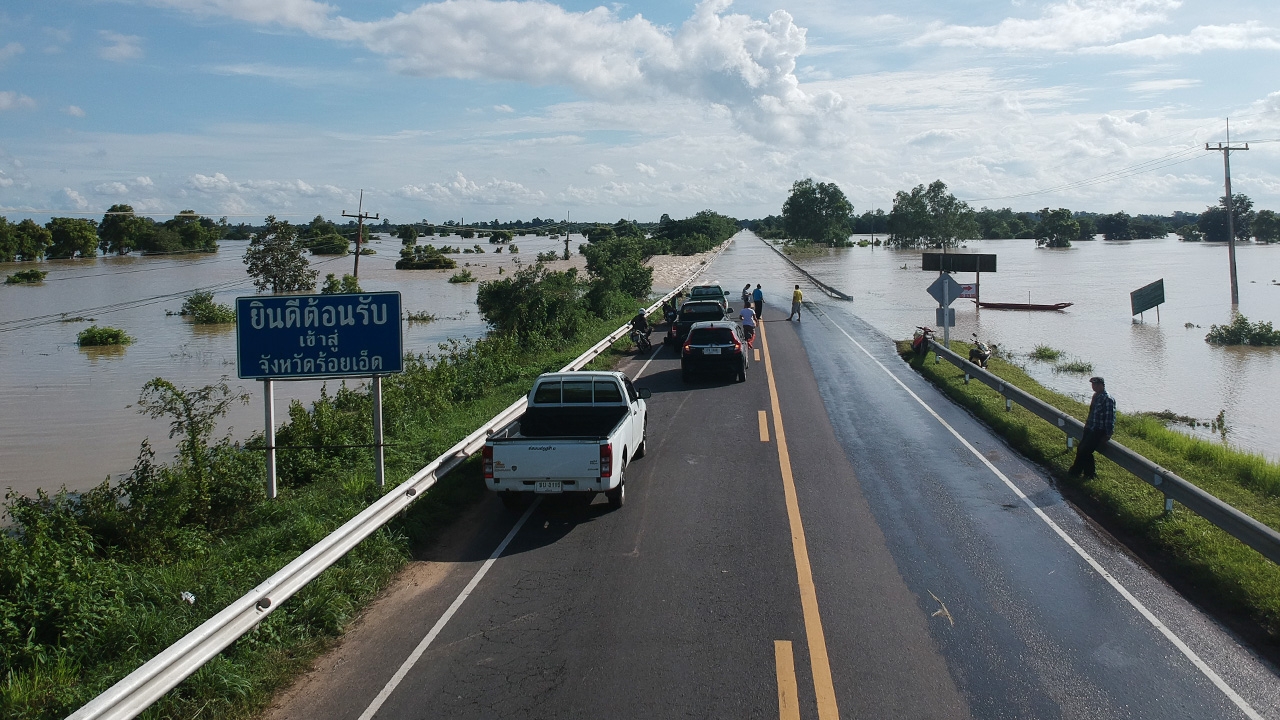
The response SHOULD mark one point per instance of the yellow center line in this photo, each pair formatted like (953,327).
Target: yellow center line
(788,695)
(764,426)
(823,687)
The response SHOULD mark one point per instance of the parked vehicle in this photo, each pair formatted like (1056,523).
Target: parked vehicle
(716,346)
(692,312)
(710,292)
(579,434)
(920,341)
(979,353)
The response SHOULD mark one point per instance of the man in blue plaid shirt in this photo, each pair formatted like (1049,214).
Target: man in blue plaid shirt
(1098,428)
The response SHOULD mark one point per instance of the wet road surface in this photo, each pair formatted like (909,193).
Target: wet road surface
(831,538)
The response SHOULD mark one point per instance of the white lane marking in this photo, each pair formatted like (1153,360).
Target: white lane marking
(444,619)
(1190,654)
(644,367)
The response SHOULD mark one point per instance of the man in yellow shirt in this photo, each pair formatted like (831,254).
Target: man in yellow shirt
(796,298)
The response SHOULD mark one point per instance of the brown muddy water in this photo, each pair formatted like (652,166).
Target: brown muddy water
(68,415)
(1148,364)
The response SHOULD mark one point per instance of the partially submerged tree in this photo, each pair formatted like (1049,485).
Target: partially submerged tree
(930,216)
(71,237)
(1057,228)
(817,213)
(277,261)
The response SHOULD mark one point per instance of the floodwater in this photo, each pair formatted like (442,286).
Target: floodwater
(1149,364)
(70,417)
(69,414)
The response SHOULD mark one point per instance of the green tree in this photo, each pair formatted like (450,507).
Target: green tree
(1266,226)
(817,212)
(71,237)
(332,285)
(1087,227)
(276,260)
(31,240)
(8,240)
(194,232)
(194,416)
(120,231)
(408,234)
(1190,233)
(1117,226)
(534,302)
(930,216)
(1213,221)
(1057,228)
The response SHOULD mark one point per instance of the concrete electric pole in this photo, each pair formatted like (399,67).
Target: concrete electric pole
(360,213)
(1226,149)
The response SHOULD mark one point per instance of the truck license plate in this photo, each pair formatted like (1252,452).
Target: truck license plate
(710,351)
(547,486)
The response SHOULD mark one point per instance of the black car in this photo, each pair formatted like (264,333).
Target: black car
(716,346)
(692,312)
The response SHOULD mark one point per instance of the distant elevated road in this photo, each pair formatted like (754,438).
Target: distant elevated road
(831,538)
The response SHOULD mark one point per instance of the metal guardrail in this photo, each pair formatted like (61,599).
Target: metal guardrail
(1247,530)
(138,690)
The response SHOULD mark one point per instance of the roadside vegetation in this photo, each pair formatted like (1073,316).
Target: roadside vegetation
(94,583)
(1242,332)
(94,336)
(1204,562)
(26,277)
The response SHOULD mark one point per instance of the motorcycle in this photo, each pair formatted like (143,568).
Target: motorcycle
(641,340)
(980,352)
(669,312)
(920,340)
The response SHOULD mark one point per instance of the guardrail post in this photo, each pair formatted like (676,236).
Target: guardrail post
(966,378)
(1071,442)
(1157,481)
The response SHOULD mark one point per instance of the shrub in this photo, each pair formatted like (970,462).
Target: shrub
(533,302)
(463,276)
(548,256)
(1044,352)
(202,310)
(1242,332)
(1075,366)
(333,286)
(96,336)
(25,277)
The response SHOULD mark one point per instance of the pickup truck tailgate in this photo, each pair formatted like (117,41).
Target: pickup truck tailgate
(556,459)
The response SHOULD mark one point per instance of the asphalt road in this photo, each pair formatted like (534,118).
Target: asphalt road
(830,539)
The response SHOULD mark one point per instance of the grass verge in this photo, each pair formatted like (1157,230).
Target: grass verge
(1231,580)
(92,584)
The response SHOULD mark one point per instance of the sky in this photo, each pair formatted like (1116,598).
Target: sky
(473,110)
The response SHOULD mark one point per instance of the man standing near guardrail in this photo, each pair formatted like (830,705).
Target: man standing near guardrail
(1098,428)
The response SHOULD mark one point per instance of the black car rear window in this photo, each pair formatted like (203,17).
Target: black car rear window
(711,336)
(547,392)
(607,391)
(577,391)
(711,312)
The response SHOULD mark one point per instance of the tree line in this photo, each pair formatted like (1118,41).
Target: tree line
(930,216)
(120,232)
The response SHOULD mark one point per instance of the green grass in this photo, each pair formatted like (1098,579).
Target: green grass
(1078,367)
(94,336)
(1204,562)
(91,583)
(1044,352)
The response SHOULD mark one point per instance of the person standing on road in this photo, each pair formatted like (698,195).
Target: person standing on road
(796,298)
(1098,428)
(746,295)
(748,317)
(758,297)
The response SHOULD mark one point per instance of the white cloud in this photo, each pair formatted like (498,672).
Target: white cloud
(504,108)
(111,188)
(1152,87)
(121,47)
(143,181)
(648,170)
(75,199)
(1242,36)
(743,64)
(10,100)
(74,111)
(1061,26)
(461,191)
(935,137)
(5,181)
(12,49)
(600,169)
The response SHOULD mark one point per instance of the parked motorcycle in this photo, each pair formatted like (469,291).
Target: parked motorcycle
(641,340)
(920,340)
(980,352)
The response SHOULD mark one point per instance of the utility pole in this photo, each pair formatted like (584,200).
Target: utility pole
(360,213)
(1226,149)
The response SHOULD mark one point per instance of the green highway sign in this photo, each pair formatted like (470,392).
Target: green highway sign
(1145,298)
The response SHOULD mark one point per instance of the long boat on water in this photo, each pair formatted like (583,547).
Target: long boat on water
(1023,306)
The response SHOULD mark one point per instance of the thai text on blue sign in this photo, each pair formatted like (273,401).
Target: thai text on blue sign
(314,336)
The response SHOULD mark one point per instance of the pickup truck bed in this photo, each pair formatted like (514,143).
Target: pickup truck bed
(595,423)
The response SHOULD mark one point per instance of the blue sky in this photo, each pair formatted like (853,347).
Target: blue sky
(471,109)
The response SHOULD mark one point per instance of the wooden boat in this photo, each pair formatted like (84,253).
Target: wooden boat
(1023,306)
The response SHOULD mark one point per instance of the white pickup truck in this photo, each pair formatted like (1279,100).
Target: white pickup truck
(578,434)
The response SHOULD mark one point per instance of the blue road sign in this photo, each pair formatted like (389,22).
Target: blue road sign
(316,336)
